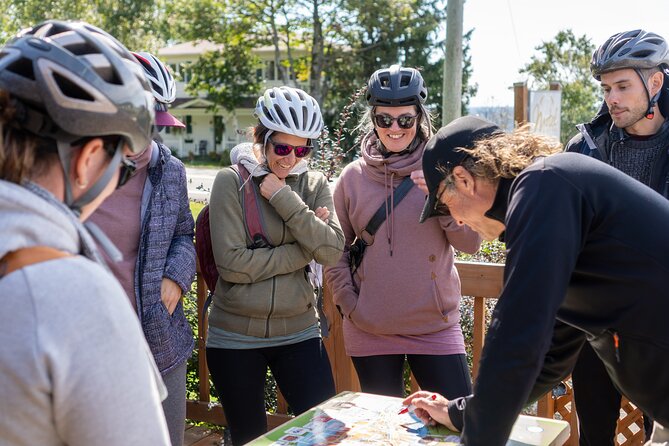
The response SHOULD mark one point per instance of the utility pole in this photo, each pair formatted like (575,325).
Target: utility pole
(452,89)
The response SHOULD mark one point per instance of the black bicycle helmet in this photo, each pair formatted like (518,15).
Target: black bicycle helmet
(636,49)
(75,80)
(396,86)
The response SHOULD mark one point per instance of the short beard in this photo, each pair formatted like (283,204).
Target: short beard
(633,116)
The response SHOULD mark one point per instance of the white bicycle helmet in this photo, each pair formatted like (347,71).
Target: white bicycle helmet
(162,82)
(290,110)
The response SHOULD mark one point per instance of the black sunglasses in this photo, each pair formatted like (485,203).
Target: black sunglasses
(386,121)
(127,166)
(283,149)
(127,169)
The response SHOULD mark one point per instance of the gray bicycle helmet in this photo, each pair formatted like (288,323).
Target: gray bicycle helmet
(75,80)
(636,49)
(396,86)
(290,110)
(71,80)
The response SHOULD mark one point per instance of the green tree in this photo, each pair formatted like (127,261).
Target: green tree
(227,76)
(133,22)
(566,59)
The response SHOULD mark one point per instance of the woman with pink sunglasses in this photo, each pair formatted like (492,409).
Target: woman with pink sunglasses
(401,303)
(264,309)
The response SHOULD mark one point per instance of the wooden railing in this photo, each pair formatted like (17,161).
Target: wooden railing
(480,280)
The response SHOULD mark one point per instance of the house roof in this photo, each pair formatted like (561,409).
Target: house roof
(191,102)
(190,48)
(197,47)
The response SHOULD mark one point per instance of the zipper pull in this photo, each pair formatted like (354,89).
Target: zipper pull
(616,344)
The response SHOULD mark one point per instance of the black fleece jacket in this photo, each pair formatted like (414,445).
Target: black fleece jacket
(588,259)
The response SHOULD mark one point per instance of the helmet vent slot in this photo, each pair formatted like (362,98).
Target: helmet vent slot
(281,116)
(305,115)
(22,67)
(70,89)
(157,88)
(293,114)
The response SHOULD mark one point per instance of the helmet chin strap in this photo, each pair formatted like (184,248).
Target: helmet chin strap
(65,155)
(650,113)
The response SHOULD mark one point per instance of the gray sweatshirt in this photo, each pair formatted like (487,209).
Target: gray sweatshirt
(74,366)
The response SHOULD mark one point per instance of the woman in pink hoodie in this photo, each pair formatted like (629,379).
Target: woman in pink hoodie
(402,302)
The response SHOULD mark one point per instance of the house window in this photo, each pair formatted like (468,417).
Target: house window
(184,73)
(270,71)
(189,124)
(219,129)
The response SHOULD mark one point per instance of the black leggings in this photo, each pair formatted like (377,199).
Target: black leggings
(444,374)
(302,372)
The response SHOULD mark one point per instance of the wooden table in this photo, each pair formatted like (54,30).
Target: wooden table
(355,418)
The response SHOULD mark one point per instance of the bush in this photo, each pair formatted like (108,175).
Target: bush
(225,158)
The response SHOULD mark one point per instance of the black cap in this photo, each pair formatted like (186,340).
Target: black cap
(443,150)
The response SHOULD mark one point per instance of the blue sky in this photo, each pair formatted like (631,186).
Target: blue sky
(507,31)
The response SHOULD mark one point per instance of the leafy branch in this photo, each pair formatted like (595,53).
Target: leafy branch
(331,154)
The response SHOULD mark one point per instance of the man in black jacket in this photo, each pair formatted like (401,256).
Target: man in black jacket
(587,261)
(631,133)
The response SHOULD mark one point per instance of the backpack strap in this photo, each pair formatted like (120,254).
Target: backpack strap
(253,219)
(23,257)
(380,214)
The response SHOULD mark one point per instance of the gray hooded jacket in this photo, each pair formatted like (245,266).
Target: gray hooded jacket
(74,366)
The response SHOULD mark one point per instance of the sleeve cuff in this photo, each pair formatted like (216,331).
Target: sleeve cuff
(275,193)
(456,412)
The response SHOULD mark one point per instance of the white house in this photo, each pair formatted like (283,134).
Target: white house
(205,130)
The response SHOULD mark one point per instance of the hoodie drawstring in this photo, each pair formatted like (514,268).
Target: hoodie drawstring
(390,216)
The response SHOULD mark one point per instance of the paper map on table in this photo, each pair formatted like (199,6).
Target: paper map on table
(352,418)
(357,419)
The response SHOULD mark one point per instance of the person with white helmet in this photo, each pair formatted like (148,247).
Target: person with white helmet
(631,133)
(150,222)
(401,304)
(74,366)
(263,311)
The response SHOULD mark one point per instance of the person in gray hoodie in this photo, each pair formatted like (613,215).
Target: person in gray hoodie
(73,104)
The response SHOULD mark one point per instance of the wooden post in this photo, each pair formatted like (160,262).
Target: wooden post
(202,369)
(451,93)
(478,334)
(520,102)
(343,371)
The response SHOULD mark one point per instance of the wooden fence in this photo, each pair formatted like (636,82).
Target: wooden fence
(480,280)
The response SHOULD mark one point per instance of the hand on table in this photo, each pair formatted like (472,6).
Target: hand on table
(419,180)
(430,407)
(170,294)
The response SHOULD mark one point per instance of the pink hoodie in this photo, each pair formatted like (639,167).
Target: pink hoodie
(407,301)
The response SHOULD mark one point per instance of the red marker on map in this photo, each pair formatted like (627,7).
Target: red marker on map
(411,407)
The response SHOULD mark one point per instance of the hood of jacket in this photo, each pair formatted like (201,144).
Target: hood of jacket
(31,216)
(378,166)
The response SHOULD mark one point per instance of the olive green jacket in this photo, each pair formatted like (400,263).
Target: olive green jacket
(265,292)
